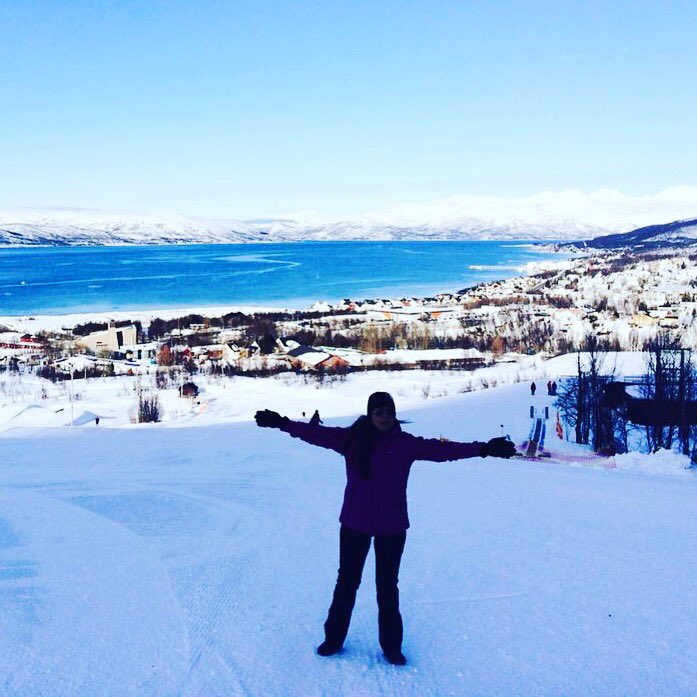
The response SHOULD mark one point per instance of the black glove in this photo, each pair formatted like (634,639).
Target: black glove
(498,447)
(269,419)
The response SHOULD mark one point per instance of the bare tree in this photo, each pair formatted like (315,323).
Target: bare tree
(582,401)
(671,376)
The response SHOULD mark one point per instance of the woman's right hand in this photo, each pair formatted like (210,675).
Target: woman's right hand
(269,419)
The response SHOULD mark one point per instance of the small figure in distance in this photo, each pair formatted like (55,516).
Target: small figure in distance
(533,387)
(378,456)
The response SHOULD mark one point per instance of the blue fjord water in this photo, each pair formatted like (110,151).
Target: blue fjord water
(56,280)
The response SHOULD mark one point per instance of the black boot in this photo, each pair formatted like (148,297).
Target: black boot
(396,658)
(326,648)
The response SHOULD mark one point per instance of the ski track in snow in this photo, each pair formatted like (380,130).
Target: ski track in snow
(86,580)
(201,561)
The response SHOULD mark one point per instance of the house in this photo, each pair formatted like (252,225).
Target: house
(308,358)
(320,306)
(410,313)
(669,322)
(183,353)
(208,354)
(23,343)
(349,356)
(73,364)
(334,362)
(347,304)
(25,349)
(641,319)
(189,389)
(140,352)
(305,357)
(233,353)
(470,358)
(110,340)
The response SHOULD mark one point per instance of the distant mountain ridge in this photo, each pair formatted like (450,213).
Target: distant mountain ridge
(68,228)
(80,227)
(75,228)
(675,234)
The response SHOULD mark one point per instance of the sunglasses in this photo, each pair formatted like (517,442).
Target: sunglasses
(383,412)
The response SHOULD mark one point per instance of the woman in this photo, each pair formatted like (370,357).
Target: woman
(378,458)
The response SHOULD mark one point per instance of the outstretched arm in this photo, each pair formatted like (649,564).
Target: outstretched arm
(332,438)
(437,450)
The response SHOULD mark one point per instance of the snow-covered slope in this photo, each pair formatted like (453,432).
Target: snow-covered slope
(201,560)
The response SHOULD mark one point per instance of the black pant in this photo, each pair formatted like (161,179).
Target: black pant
(353,549)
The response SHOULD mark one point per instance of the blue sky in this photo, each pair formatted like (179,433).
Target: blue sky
(243,109)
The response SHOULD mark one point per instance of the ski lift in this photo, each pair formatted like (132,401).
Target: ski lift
(650,412)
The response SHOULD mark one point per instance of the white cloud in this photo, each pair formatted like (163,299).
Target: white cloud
(605,208)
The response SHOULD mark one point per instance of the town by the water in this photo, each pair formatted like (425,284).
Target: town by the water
(624,299)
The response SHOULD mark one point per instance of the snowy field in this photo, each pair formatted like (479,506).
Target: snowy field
(198,556)
(28,401)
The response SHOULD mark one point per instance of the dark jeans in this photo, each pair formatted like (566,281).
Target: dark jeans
(353,550)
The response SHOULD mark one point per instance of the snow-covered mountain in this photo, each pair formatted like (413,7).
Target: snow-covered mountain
(677,233)
(564,215)
(67,228)
(464,229)
(81,227)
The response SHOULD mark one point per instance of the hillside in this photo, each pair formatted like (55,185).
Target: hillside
(676,234)
(201,559)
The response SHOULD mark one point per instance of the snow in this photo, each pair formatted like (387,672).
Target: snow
(84,226)
(606,209)
(35,323)
(224,400)
(551,215)
(621,363)
(412,355)
(661,462)
(198,556)
(87,603)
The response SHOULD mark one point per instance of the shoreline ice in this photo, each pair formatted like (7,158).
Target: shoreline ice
(39,322)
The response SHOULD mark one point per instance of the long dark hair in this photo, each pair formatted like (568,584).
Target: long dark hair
(359,445)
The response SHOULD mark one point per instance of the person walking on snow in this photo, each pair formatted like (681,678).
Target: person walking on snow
(378,456)
(315,420)
(533,387)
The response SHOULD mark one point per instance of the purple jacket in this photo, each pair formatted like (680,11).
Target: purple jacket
(378,506)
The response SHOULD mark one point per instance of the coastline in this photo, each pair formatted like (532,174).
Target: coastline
(39,322)
(49,319)
(505,241)
(36,322)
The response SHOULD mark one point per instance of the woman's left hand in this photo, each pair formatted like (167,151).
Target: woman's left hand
(499,447)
